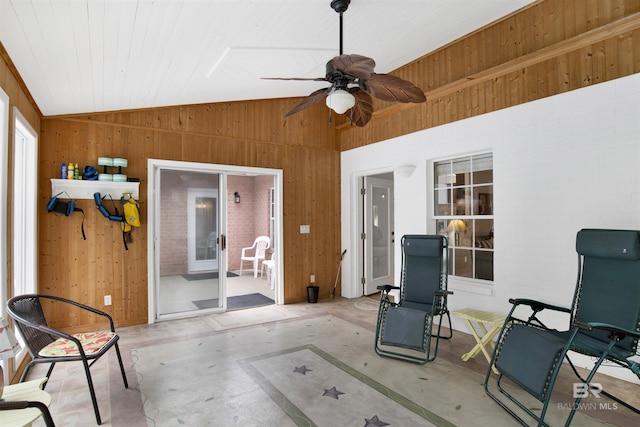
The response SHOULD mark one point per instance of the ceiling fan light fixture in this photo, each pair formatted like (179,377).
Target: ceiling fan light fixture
(340,101)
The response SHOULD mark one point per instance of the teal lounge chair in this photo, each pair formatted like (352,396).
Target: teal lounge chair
(603,323)
(405,329)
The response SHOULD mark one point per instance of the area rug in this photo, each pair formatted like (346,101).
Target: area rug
(260,376)
(314,388)
(206,276)
(236,302)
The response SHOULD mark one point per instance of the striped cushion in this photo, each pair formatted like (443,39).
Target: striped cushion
(92,342)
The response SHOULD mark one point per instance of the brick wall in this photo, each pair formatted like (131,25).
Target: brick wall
(249,218)
(174,187)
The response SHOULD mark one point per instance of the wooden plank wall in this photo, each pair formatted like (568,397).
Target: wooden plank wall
(241,133)
(552,47)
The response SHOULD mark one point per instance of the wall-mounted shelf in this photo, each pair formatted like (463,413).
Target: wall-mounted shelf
(80,189)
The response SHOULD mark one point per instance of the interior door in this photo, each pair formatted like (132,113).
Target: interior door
(379,234)
(202,227)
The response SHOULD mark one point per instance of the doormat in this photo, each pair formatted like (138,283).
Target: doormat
(206,276)
(236,302)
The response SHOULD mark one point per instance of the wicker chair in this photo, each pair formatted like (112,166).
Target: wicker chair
(47,345)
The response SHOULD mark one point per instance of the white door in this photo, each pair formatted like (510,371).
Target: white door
(378,233)
(202,207)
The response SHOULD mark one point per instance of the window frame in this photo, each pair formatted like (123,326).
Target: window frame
(437,222)
(25,230)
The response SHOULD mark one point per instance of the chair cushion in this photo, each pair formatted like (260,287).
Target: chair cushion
(528,356)
(92,342)
(405,327)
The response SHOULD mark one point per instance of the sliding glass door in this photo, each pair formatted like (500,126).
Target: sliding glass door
(188,242)
(200,218)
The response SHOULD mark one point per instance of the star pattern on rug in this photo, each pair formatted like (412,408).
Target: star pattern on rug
(302,369)
(374,422)
(332,392)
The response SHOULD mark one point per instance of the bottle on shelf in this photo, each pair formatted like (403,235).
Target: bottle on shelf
(63,171)
(76,172)
(70,172)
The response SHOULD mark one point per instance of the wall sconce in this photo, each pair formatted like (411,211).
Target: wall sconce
(236,195)
(405,171)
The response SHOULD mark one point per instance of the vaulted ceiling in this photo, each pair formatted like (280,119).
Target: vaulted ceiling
(79,56)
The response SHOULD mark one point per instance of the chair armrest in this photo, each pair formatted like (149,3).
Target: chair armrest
(442,293)
(617,330)
(55,333)
(387,288)
(244,250)
(384,294)
(538,305)
(24,404)
(81,306)
(8,406)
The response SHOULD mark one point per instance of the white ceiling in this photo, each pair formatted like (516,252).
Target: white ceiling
(79,56)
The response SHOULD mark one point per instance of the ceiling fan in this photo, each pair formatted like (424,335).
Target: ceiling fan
(353,83)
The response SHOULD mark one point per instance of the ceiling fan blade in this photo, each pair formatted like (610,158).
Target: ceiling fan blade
(357,66)
(309,101)
(312,79)
(391,88)
(361,113)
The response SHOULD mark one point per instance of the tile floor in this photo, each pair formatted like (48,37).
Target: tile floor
(263,329)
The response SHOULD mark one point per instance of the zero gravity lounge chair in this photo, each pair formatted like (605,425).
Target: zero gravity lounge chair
(604,321)
(405,329)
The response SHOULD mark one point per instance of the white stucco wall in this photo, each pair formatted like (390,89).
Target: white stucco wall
(561,164)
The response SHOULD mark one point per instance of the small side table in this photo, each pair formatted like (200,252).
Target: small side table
(489,324)
(27,391)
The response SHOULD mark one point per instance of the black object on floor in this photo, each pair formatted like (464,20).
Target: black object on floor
(312,293)
(206,276)
(236,302)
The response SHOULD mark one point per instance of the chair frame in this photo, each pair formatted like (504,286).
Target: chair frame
(37,334)
(438,308)
(269,270)
(575,337)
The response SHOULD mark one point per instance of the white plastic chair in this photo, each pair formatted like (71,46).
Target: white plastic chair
(260,245)
(269,266)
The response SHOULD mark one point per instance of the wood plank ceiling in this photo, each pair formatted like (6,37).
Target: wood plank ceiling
(103,55)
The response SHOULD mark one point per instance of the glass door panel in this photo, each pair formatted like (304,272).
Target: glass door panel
(203,230)
(379,232)
(189,212)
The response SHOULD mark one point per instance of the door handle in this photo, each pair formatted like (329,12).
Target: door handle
(223,242)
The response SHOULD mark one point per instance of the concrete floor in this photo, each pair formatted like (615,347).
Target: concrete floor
(170,381)
(177,294)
